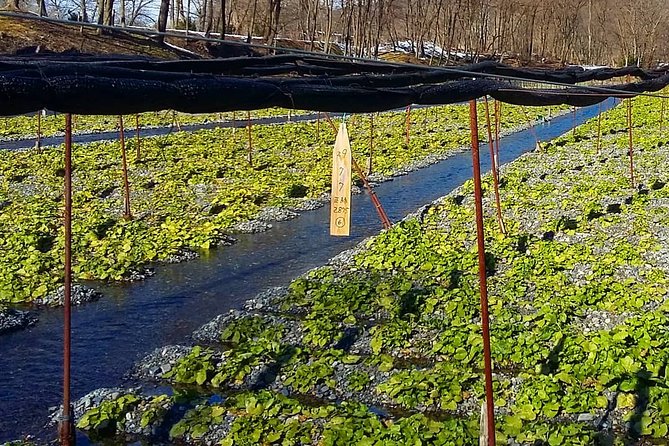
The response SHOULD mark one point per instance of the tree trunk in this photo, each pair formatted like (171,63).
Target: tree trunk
(42,8)
(109,13)
(223,19)
(122,12)
(162,18)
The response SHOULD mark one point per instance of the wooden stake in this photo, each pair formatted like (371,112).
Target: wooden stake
(340,204)
(124,165)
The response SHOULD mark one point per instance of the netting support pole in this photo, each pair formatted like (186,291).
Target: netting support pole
(664,103)
(66,421)
(480,239)
(371,144)
(537,144)
(385,221)
(139,141)
(407,126)
(333,126)
(250,136)
(38,143)
(493,164)
(599,129)
(124,165)
(498,125)
(630,152)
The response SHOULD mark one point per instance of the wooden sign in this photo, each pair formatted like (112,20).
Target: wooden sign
(340,205)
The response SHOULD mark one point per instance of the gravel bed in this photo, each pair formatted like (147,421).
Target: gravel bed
(160,361)
(80,294)
(12,320)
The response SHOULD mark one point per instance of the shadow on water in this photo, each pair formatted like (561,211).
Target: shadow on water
(133,319)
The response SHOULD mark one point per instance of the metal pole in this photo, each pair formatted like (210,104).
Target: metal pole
(318,125)
(532,130)
(573,121)
(371,144)
(332,124)
(599,129)
(480,238)
(137,129)
(493,163)
(498,124)
(385,221)
(662,114)
(631,142)
(66,422)
(38,143)
(124,164)
(407,126)
(248,130)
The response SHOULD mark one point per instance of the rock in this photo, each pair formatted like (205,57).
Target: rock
(269,214)
(159,362)
(11,320)
(80,294)
(251,227)
(585,417)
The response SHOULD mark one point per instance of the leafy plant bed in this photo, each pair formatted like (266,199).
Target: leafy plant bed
(579,318)
(26,126)
(188,191)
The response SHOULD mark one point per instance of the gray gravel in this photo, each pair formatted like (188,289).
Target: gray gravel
(11,320)
(80,294)
(159,362)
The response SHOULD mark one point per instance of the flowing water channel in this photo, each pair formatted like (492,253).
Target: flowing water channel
(108,336)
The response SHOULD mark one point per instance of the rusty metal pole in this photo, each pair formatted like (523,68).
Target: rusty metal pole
(332,124)
(662,114)
(124,165)
(139,141)
(371,144)
(38,143)
(537,145)
(66,422)
(385,221)
(599,129)
(250,136)
(493,163)
(631,141)
(480,238)
(498,125)
(407,126)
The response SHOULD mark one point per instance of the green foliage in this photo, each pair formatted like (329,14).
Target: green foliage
(109,415)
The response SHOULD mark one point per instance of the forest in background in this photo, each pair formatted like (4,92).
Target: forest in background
(593,32)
